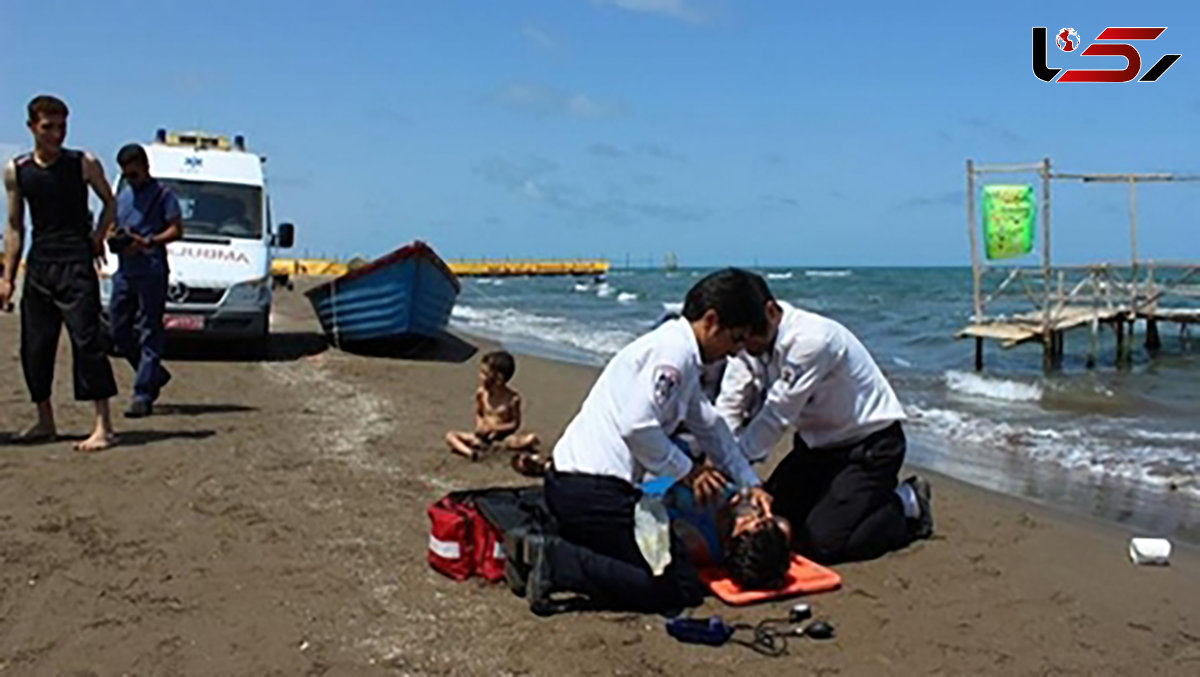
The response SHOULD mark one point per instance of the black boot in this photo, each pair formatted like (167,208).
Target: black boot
(139,409)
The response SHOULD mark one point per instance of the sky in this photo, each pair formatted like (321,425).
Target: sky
(725,131)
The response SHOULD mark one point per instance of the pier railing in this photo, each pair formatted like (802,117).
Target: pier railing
(1011,293)
(1021,304)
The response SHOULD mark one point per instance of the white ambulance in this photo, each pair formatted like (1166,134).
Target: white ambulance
(220,281)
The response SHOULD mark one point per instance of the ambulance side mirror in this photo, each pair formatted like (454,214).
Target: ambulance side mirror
(286,236)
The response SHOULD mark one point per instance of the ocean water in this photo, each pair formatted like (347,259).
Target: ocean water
(1119,444)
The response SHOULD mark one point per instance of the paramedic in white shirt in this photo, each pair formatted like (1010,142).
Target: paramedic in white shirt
(621,434)
(838,486)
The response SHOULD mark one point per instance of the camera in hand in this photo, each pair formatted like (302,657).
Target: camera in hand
(120,240)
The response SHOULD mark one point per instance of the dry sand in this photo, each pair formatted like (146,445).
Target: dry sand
(271,521)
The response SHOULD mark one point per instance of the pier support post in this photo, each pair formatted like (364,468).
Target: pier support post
(1131,328)
(978,353)
(1048,351)
(1119,330)
(1119,334)
(1153,343)
(1055,349)
(1093,343)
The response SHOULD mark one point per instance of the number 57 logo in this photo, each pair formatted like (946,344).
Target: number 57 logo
(1067,41)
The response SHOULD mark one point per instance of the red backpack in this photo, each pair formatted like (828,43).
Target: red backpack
(461,542)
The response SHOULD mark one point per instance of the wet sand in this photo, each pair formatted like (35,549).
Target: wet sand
(271,521)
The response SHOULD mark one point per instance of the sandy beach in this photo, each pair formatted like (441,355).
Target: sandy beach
(271,521)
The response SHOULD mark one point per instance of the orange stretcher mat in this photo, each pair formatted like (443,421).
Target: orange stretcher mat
(803,577)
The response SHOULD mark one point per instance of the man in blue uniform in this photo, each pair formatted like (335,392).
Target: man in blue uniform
(148,218)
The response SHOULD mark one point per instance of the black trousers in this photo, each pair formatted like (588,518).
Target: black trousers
(56,293)
(597,554)
(842,501)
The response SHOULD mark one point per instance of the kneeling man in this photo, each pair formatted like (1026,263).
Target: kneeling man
(838,485)
(620,434)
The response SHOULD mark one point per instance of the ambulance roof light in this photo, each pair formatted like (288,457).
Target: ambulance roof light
(198,140)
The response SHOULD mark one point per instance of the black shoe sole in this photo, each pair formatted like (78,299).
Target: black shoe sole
(514,579)
(538,585)
(516,570)
(923,527)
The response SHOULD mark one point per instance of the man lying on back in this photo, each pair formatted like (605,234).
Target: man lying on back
(752,545)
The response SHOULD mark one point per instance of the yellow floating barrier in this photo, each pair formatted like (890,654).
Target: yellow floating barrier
(523,267)
(461,268)
(309,267)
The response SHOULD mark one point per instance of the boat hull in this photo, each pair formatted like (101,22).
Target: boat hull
(409,292)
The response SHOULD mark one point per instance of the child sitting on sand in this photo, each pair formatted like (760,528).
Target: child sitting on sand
(497,417)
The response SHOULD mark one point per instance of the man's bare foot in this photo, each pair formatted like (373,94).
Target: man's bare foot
(99,441)
(40,432)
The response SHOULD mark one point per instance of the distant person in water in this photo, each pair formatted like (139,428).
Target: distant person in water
(497,416)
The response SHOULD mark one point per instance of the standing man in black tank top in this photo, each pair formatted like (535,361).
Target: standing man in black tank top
(61,285)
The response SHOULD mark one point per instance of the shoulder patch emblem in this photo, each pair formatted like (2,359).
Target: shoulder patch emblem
(666,382)
(790,373)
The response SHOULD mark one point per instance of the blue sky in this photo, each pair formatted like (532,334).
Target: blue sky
(725,131)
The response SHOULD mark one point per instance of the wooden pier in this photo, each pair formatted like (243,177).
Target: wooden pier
(1028,326)
(1015,304)
(1032,326)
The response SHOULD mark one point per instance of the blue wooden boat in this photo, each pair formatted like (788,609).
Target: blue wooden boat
(409,292)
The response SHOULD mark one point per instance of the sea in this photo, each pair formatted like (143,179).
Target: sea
(1116,443)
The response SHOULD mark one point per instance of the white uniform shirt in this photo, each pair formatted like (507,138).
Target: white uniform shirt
(646,390)
(818,378)
(743,387)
